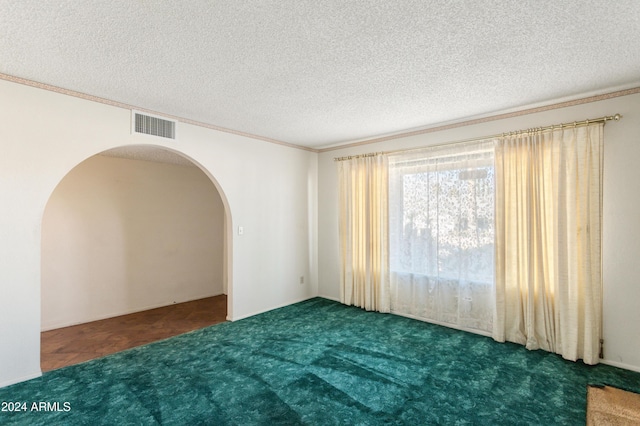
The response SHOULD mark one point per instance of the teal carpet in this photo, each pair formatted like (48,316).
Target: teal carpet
(317,362)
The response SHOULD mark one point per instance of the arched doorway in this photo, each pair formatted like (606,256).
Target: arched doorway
(127,230)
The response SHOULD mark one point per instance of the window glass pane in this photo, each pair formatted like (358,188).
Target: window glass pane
(441,223)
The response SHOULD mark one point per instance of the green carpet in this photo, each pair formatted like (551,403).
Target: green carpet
(317,362)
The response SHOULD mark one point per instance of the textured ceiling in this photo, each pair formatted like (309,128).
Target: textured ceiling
(321,73)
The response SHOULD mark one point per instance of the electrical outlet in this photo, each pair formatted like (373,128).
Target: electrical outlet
(301,279)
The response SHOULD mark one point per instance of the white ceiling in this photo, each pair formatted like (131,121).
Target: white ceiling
(322,73)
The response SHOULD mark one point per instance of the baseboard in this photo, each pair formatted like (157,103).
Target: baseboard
(443,324)
(125,312)
(620,365)
(238,318)
(335,299)
(20,379)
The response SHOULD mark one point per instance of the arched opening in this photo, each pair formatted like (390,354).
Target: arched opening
(129,230)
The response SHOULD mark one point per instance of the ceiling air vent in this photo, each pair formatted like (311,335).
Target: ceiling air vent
(155,126)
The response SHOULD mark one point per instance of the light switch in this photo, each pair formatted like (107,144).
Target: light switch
(240,230)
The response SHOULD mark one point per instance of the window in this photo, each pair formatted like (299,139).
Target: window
(441,235)
(497,237)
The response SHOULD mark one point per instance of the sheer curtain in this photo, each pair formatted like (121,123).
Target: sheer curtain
(548,265)
(364,278)
(441,230)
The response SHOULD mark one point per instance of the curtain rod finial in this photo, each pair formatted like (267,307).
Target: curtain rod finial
(617,117)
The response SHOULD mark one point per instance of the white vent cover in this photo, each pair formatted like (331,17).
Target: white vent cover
(151,125)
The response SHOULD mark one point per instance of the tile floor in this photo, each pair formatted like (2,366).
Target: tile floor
(83,342)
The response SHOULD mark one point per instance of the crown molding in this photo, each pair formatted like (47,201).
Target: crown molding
(487,119)
(438,128)
(80,95)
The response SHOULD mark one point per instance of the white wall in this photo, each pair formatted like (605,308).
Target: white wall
(122,235)
(621,221)
(268,189)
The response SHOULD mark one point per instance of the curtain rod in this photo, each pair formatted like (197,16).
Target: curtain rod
(604,119)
